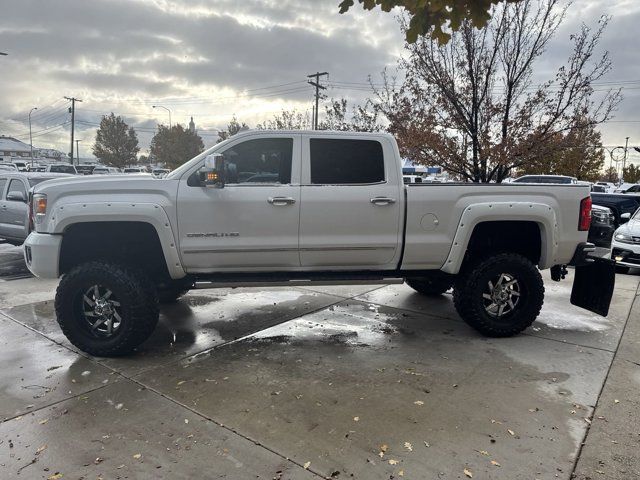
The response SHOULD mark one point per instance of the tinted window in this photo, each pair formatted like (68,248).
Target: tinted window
(17,186)
(338,161)
(62,169)
(263,160)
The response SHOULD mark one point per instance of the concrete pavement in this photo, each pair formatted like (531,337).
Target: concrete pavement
(329,382)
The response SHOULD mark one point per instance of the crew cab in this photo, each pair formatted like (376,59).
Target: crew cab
(296,208)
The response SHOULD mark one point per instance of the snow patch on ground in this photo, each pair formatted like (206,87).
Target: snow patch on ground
(574,320)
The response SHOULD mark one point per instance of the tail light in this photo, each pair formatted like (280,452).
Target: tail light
(584,221)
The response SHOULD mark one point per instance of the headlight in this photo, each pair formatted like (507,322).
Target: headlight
(623,237)
(39,206)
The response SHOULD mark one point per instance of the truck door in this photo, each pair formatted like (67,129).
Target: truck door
(352,204)
(251,223)
(14,210)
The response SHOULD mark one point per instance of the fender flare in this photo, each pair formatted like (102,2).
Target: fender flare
(75,213)
(473,215)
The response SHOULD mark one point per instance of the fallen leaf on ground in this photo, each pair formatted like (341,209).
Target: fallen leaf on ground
(137,456)
(356,419)
(408,446)
(393,462)
(42,422)
(494,463)
(41,449)
(511,432)
(483,452)
(181,382)
(307,465)
(383,447)
(616,401)
(55,476)
(426,444)
(401,473)
(186,420)
(468,473)
(418,402)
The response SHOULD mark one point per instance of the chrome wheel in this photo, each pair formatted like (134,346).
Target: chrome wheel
(501,296)
(101,310)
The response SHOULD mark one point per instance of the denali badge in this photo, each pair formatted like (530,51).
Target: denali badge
(214,234)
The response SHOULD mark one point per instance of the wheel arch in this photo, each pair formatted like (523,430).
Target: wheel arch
(527,228)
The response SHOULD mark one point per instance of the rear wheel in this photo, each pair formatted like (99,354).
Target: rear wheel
(499,296)
(106,309)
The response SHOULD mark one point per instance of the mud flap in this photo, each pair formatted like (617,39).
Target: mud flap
(593,285)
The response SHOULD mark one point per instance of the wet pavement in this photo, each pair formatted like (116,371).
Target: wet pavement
(367,382)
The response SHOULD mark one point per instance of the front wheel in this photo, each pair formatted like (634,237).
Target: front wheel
(106,309)
(499,296)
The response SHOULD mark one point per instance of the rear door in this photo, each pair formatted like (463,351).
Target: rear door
(252,223)
(352,204)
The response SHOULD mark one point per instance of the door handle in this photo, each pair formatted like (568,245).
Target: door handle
(281,201)
(383,200)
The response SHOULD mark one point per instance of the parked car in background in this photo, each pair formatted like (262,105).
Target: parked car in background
(561,179)
(609,187)
(101,170)
(618,203)
(14,211)
(85,169)
(62,168)
(21,166)
(160,172)
(625,244)
(628,188)
(8,167)
(603,224)
(134,170)
(412,179)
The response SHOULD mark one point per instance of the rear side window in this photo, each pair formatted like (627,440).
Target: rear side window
(3,183)
(341,161)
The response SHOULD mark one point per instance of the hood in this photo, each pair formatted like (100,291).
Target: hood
(89,183)
(632,228)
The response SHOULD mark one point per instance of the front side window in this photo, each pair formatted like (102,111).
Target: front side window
(262,160)
(343,161)
(17,186)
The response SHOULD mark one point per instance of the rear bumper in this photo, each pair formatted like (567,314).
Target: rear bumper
(42,254)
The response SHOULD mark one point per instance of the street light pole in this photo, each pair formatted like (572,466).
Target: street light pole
(30,137)
(624,159)
(160,106)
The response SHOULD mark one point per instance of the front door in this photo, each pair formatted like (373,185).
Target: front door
(15,212)
(252,223)
(351,205)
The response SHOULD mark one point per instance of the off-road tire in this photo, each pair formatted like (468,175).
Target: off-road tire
(471,284)
(138,303)
(431,285)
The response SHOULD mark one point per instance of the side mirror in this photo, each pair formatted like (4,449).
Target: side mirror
(214,172)
(17,197)
(625,217)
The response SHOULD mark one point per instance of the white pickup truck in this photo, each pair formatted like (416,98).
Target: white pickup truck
(302,207)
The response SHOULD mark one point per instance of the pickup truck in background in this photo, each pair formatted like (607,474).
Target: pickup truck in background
(303,207)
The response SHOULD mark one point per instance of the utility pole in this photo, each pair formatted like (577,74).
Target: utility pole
(78,152)
(72,110)
(30,137)
(624,159)
(318,88)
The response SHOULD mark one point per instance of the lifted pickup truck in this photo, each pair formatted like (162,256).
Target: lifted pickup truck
(294,208)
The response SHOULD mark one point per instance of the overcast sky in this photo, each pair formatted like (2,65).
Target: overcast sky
(211,59)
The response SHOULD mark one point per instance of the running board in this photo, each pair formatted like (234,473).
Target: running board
(296,282)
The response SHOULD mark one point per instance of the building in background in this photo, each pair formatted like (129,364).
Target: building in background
(12,150)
